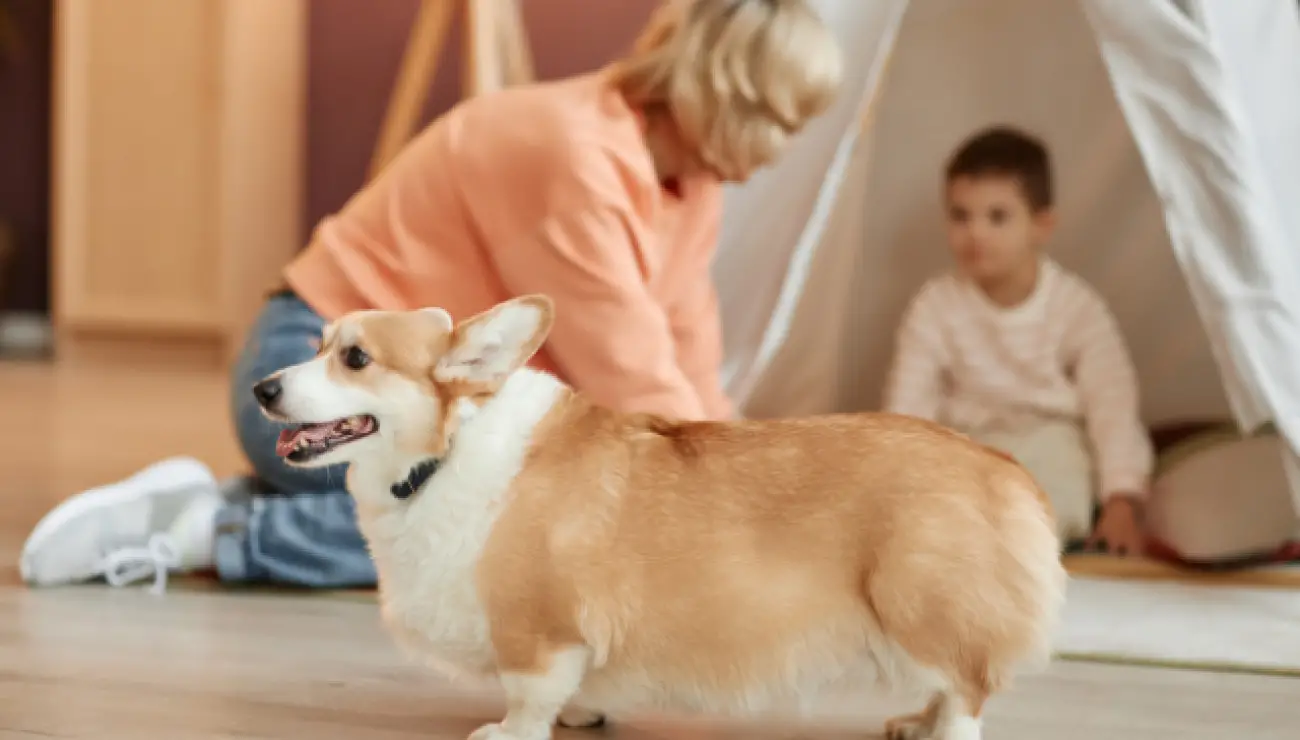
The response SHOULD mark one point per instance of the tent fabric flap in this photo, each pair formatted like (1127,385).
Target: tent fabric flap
(1198,138)
(775,224)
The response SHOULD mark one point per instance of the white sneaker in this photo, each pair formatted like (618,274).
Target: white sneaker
(160,520)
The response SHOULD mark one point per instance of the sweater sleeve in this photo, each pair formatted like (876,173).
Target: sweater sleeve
(611,339)
(915,382)
(1108,390)
(696,325)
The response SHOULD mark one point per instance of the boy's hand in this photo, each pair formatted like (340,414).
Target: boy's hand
(1119,529)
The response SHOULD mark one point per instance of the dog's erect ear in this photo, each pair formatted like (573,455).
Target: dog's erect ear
(489,347)
(438,316)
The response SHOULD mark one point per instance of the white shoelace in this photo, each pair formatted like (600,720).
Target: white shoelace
(130,564)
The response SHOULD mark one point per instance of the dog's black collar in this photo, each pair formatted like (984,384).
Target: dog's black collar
(419,475)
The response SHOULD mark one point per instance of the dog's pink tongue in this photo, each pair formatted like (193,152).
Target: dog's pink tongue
(288,440)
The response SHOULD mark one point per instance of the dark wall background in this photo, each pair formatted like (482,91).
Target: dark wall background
(354,50)
(25,155)
(356,47)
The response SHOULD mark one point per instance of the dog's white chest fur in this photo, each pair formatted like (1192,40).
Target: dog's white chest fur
(427,547)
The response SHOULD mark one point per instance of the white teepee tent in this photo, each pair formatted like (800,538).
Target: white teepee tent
(1175,133)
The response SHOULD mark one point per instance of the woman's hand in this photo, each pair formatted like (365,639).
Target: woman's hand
(1119,529)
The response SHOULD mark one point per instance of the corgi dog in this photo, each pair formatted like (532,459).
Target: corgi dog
(595,562)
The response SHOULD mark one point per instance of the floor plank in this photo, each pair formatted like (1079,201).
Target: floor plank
(105,663)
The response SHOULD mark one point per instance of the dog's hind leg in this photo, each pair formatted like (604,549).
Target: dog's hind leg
(919,726)
(947,717)
(536,692)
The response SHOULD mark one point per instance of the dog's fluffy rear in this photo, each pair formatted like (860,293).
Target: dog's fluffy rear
(871,544)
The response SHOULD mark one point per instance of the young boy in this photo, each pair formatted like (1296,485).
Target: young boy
(1017,352)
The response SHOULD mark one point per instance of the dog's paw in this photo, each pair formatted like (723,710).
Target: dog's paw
(923,727)
(579,718)
(911,727)
(960,728)
(489,732)
(495,731)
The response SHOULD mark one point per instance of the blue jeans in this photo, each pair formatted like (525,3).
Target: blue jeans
(291,526)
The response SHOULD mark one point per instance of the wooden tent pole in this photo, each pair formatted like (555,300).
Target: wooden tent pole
(419,65)
(496,54)
(514,46)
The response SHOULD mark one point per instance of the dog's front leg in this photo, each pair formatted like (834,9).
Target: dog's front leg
(536,691)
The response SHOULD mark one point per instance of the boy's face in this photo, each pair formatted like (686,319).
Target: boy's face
(992,230)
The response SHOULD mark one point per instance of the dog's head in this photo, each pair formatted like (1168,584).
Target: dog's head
(393,382)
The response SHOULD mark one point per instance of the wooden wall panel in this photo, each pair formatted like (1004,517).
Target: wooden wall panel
(264,135)
(177,163)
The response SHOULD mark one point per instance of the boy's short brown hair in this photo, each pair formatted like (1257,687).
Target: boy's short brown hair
(1003,151)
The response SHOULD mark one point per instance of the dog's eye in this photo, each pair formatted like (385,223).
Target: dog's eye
(355,358)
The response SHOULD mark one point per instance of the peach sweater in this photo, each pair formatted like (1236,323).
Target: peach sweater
(545,188)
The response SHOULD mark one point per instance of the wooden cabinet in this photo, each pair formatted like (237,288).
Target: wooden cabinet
(178,170)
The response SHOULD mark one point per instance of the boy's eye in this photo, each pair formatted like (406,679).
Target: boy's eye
(997,215)
(957,215)
(355,358)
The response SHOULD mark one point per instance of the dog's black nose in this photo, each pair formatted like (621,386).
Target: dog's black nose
(268,392)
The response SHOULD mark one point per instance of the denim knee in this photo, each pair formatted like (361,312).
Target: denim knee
(284,334)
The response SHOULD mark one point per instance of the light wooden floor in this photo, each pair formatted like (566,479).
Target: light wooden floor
(100,663)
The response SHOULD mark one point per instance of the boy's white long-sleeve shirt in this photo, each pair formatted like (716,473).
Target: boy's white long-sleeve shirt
(965,362)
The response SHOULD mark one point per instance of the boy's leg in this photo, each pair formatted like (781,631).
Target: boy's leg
(1056,453)
(294,526)
(1190,513)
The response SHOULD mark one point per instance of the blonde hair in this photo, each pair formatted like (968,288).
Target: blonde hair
(737,77)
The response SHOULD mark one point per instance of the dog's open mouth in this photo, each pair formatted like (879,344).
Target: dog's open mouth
(306,441)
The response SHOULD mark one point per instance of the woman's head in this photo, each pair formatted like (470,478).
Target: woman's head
(736,78)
